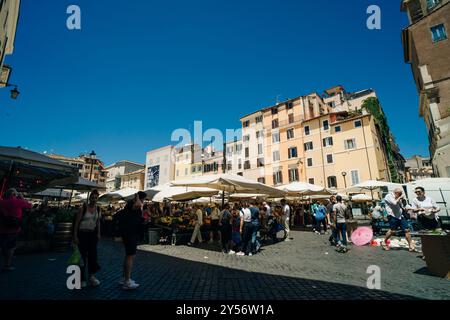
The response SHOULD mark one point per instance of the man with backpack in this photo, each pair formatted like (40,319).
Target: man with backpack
(320,217)
(11,208)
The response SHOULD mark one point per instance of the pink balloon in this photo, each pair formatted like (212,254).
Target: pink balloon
(362,236)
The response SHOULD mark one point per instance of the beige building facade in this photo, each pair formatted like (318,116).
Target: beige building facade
(326,140)
(89,167)
(9,15)
(134,180)
(117,170)
(331,140)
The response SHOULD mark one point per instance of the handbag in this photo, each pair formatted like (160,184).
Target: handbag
(75,258)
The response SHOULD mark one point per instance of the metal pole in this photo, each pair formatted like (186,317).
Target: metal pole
(223,200)
(70,199)
(443,200)
(59,199)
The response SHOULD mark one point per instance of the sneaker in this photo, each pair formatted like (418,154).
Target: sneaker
(240,254)
(189,244)
(83,284)
(316,232)
(94,282)
(130,285)
(231,252)
(250,254)
(122,282)
(287,239)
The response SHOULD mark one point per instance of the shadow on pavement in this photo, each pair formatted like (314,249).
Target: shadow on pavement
(163,277)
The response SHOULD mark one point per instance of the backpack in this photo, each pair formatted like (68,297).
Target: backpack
(117,225)
(320,213)
(348,213)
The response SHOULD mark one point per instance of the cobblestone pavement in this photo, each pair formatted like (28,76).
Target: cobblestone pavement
(305,268)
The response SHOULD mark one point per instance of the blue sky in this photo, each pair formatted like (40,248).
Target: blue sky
(140,69)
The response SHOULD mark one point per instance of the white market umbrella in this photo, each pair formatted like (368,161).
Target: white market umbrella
(372,185)
(305,189)
(247,196)
(172,193)
(230,183)
(361,198)
(123,194)
(205,200)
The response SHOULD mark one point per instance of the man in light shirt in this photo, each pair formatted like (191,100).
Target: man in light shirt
(286,216)
(197,228)
(395,208)
(246,229)
(426,209)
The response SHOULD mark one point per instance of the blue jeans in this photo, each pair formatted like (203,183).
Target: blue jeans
(254,234)
(341,228)
(247,238)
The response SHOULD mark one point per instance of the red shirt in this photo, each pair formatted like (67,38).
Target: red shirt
(12,207)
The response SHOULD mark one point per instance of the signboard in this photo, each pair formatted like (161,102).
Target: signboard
(152,177)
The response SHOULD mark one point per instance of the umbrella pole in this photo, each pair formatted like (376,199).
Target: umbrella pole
(59,199)
(70,198)
(223,199)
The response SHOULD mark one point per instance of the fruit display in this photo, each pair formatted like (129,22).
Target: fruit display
(182,223)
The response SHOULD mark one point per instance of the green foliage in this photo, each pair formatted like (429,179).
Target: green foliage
(372,105)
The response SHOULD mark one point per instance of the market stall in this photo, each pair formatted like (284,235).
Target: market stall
(32,172)
(231,184)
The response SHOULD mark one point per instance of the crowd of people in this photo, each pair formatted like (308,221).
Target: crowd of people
(238,228)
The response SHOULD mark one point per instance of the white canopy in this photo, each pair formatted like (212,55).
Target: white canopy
(361,198)
(206,200)
(247,196)
(230,183)
(372,185)
(123,194)
(305,189)
(168,192)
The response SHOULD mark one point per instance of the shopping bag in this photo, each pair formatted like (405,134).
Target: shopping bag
(75,258)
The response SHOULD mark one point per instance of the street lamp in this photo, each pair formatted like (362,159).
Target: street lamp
(14,92)
(344,174)
(92,156)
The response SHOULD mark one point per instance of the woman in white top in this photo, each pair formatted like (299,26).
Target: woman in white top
(86,235)
(426,209)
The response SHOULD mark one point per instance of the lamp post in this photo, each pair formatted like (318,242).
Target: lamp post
(344,174)
(14,92)
(92,157)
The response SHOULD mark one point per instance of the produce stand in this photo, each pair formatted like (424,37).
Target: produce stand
(436,249)
(180,228)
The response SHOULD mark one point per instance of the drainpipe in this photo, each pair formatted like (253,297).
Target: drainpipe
(365,145)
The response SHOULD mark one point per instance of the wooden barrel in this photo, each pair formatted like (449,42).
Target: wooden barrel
(62,238)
